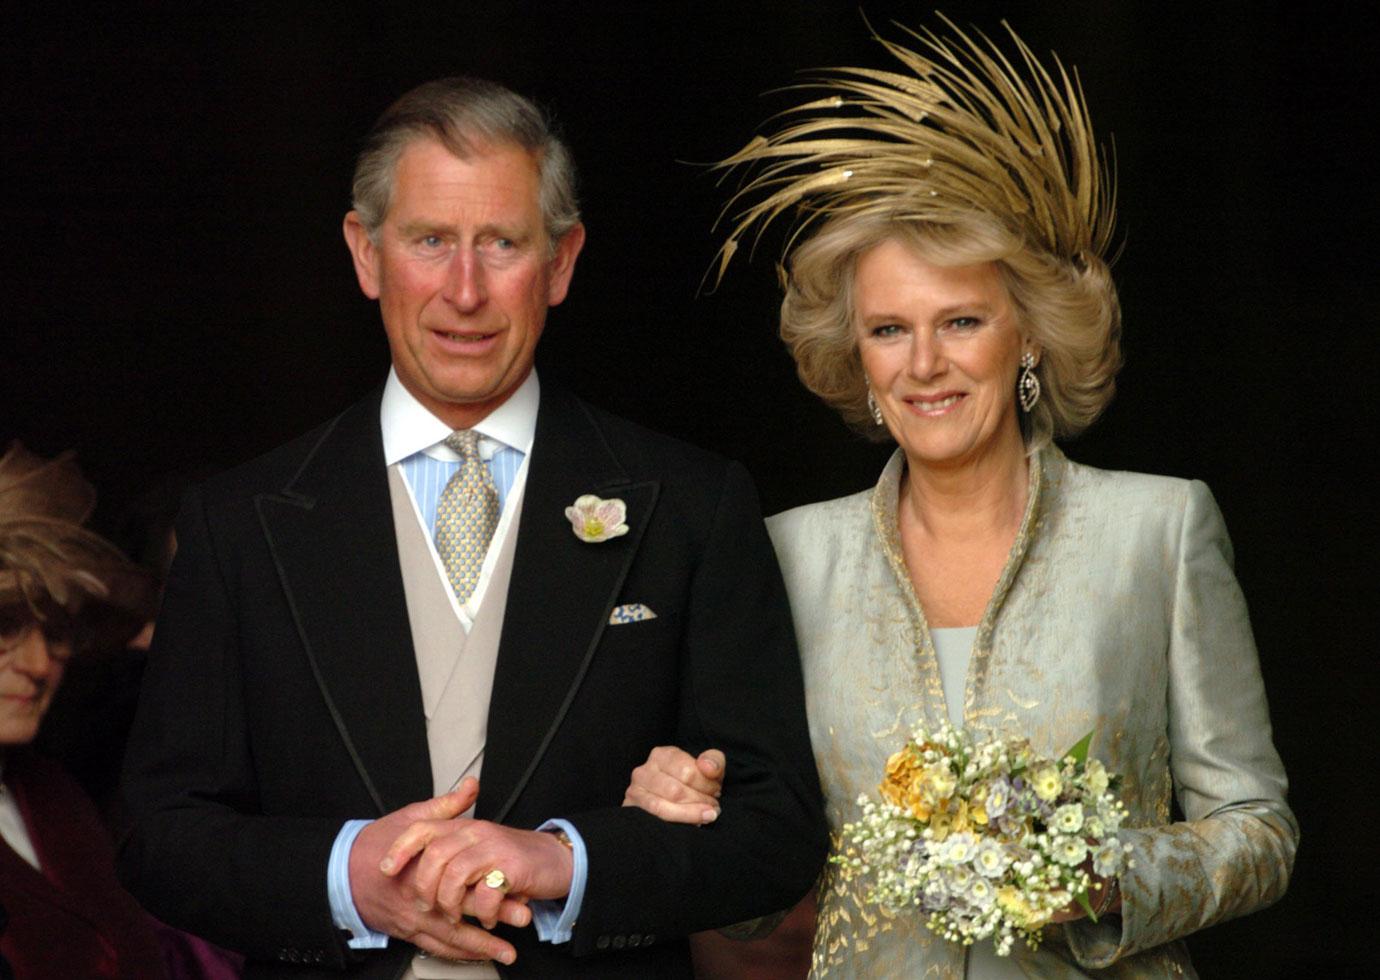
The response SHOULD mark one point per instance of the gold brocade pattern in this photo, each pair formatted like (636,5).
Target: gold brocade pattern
(1116,611)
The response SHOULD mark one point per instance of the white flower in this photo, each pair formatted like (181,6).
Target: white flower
(998,796)
(594,519)
(1069,850)
(1107,859)
(1096,775)
(991,859)
(959,848)
(981,893)
(936,894)
(1068,819)
(958,879)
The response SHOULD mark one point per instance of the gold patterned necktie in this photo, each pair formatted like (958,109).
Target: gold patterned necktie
(466,515)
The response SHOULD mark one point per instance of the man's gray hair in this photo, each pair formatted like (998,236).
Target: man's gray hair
(463,114)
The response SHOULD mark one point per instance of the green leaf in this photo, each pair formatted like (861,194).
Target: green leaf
(1080,751)
(1082,897)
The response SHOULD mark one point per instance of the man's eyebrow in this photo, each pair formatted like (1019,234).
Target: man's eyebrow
(411,228)
(517,232)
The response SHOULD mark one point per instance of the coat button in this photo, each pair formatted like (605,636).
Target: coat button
(602,942)
(635,939)
(619,942)
(648,939)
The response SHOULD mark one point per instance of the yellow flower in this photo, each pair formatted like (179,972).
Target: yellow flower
(1046,782)
(941,780)
(1098,780)
(1014,905)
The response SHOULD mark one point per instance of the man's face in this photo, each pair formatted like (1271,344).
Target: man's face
(463,273)
(31,667)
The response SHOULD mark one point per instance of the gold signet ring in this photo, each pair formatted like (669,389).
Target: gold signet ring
(497,880)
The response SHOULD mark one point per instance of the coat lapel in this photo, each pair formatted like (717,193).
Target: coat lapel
(560,596)
(330,531)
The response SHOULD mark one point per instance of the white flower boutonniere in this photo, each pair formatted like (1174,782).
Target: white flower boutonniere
(594,519)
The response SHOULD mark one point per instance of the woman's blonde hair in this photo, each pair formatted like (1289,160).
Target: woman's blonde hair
(970,154)
(1069,311)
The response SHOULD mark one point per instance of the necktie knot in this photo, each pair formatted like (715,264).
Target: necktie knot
(464,443)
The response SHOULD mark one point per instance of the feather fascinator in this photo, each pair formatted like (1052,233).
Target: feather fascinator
(965,129)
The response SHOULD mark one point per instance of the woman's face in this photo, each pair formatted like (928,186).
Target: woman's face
(941,349)
(31,668)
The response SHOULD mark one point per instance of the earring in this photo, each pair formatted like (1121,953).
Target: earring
(872,407)
(1028,387)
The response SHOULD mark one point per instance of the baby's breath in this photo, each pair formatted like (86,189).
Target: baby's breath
(986,840)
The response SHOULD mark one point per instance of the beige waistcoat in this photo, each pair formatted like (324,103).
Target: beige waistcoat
(456,671)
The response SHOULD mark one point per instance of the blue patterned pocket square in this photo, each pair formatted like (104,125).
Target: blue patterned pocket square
(633,612)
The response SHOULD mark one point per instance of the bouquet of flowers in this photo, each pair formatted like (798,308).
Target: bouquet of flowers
(990,839)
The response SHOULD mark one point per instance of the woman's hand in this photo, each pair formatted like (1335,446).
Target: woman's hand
(677,787)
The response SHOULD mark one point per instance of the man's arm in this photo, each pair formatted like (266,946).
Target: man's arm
(741,692)
(740,688)
(202,854)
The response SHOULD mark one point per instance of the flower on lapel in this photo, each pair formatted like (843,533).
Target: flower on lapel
(594,519)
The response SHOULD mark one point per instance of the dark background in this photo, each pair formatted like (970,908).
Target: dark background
(177,297)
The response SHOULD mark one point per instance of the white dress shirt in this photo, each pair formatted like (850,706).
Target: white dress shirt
(414,439)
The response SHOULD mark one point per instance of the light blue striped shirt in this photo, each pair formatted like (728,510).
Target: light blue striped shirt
(428,475)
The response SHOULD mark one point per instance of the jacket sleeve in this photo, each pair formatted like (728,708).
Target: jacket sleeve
(200,854)
(742,692)
(1233,852)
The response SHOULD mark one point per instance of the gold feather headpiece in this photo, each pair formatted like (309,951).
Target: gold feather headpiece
(967,130)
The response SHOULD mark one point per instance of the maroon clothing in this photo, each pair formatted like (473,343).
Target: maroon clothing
(73,919)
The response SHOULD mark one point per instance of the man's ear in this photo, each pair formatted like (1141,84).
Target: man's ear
(365,254)
(563,264)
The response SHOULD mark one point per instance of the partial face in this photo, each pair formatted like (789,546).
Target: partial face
(464,274)
(31,667)
(941,349)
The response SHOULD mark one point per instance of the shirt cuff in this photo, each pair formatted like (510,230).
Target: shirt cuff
(553,919)
(343,911)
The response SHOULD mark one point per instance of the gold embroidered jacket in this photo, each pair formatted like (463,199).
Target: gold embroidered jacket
(1117,611)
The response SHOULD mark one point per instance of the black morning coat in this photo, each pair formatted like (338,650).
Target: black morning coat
(282,698)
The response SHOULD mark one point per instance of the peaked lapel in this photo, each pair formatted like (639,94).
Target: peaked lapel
(330,531)
(560,596)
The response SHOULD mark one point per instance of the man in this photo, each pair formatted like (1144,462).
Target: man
(468,570)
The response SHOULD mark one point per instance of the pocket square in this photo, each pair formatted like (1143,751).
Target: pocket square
(632,612)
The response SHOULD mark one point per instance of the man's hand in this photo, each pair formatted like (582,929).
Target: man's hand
(447,861)
(388,902)
(678,787)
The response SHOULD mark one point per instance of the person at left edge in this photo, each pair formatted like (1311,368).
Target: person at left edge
(317,684)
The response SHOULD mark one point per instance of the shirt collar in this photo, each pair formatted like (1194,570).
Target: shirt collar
(409,428)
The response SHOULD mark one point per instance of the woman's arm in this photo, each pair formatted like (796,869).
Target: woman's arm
(1234,851)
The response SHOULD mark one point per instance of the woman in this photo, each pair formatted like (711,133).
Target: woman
(63,591)
(955,299)
(66,593)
